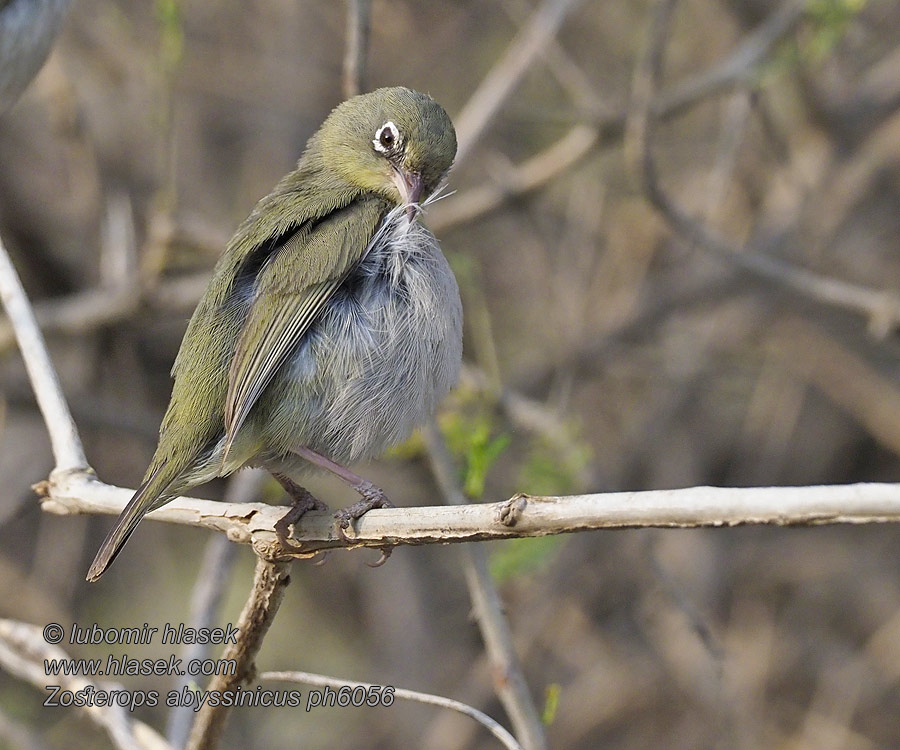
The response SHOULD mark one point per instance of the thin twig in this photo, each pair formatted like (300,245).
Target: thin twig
(882,308)
(739,68)
(67,450)
(509,680)
(269,583)
(502,79)
(85,311)
(23,650)
(534,172)
(209,588)
(561,65)
(359,13)
(412,695)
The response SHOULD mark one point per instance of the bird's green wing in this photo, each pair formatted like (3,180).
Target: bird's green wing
(290,292)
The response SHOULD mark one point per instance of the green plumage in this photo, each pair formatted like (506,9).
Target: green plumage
(296,256)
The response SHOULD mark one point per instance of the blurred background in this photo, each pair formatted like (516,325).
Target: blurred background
(603,353)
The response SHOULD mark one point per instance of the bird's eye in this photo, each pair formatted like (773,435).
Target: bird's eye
(387,138)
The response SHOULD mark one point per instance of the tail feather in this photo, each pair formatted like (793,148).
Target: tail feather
(149,496)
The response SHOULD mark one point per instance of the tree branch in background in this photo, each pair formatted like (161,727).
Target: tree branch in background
(882,308)
(412,695)
(494,89)
(23,650)
(359,15)
(739,68)
(209,588)
(269,582)
(509,680)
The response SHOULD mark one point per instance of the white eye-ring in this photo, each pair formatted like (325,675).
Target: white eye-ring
(387,138)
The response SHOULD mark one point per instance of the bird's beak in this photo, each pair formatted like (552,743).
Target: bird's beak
(410,186)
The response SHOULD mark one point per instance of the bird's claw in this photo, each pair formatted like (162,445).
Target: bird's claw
(372,497)
(302,501)
(385,554)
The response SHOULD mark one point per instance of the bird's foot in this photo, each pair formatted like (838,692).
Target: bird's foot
(302,501)
(372,497)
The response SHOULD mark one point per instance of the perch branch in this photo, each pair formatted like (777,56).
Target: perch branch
(412,695)
(269,583)
(252,523)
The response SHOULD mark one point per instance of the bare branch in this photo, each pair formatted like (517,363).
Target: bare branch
(530,175)
(253,523)
(209,588)
(269,583)
(509,680)
(67,450)
(411,695)
(881,307)
(739,68)
(359,13)
(502,79)
(84,311)
(566,71)
(22,653)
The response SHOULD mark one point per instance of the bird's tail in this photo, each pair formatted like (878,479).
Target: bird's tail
(149,496)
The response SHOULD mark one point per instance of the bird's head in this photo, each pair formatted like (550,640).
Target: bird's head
(393,141)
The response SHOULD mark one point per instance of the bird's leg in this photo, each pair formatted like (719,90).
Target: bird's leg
(372,496)
(302,501)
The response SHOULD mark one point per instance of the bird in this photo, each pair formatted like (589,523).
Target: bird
(332,323)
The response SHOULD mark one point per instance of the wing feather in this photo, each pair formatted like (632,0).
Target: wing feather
(286,303)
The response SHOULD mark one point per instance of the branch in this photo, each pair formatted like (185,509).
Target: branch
(359,13)
(253,523)
(531,174)
(561,66)
(570,150)
(502,79)
(509,680)
(212,582)
(84,311)
(881,307)
(412,695)
(739,68)
(22,653)
(66,444)
(269,583)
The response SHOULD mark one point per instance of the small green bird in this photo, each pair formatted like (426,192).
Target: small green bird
(332,325)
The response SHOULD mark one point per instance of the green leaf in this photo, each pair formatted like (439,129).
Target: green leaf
(470,438)
(551,703)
